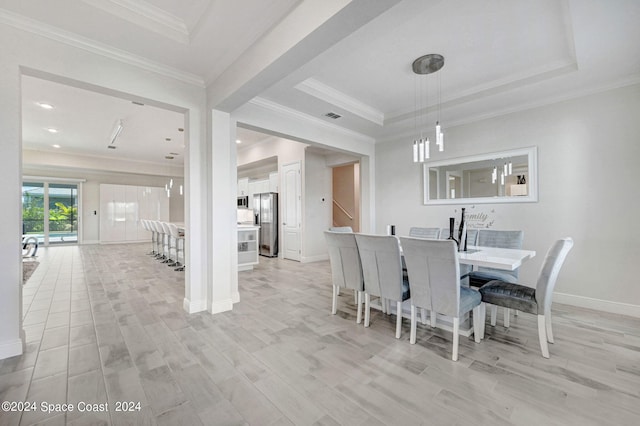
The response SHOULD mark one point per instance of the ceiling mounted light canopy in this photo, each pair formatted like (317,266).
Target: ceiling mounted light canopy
(428,64)
(424,65)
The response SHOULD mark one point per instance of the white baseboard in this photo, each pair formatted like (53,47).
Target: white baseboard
(194,306)
(88,242)
(598,304)
(221,306)
(235,297)
(11,348)
(318,258)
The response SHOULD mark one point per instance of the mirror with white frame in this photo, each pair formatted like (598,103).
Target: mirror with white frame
(499,177)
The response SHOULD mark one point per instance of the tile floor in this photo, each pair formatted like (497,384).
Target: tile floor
(105,325)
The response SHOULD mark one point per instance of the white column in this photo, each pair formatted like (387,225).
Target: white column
(223,236)
(11,333)
(196,213)
(367,191)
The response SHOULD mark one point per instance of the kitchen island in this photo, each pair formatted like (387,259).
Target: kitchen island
(247,247)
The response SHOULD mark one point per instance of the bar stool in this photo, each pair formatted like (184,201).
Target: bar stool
(166,243)
(177,236)
(167,230)
(159,240)
(147,226)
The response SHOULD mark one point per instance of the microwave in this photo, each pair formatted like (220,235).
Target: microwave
(243,202)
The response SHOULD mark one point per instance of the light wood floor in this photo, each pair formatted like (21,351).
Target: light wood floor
(105,324)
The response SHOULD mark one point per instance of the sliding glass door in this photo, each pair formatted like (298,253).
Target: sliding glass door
(50,212)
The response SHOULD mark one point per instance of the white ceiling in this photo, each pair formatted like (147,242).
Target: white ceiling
(86,121)
(500,56)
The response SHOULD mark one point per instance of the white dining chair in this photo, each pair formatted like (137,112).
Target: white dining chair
(434,276)
(481,276)
(382,273)
(433,233)
(346,269)
(531,300)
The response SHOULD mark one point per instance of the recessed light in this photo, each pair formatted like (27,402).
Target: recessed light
(174,153)
(168,157)
(238,141)
(56,146)
(45,105)
(167,139)
(52,130)
(180,129)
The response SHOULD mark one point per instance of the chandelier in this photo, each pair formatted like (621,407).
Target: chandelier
(427,64)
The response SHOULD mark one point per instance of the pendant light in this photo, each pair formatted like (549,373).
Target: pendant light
(424,65)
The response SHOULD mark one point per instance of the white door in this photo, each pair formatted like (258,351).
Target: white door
(291,199)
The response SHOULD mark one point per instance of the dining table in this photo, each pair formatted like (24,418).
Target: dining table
(495,257)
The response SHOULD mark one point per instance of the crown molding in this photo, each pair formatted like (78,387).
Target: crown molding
(512,82)
(300,116)
(56,34)
(630,80)
(328,94)
(145,15)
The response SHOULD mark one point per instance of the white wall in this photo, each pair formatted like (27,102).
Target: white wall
(91,193)
(588,153)
(317,207)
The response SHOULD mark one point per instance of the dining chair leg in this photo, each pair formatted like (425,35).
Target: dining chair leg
(433,318)
(388,307)
(338,291)
(334,300)
(383,305)
(507,316)
(359,303)
(367,309)
(412,333)
(456,338)
(547,321)
(355,297)
(423,316)
(398,319)
(483,319)
(542,336)
(494,314)
(477,325)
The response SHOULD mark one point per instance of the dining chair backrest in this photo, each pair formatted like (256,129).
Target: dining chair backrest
(157,226)
(432,233)
(346,269)
(434,274)
(472,235)
(500,239)
(381,265)
(549,273)
(341,229)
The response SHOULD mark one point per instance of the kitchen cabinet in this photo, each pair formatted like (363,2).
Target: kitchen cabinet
(243,187)
(274,182)
(122,207)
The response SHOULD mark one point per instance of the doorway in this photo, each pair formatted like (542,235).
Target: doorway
(291,211)
(50,212)
(346,196)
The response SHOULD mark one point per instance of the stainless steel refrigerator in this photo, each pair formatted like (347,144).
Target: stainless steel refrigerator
(265,211)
